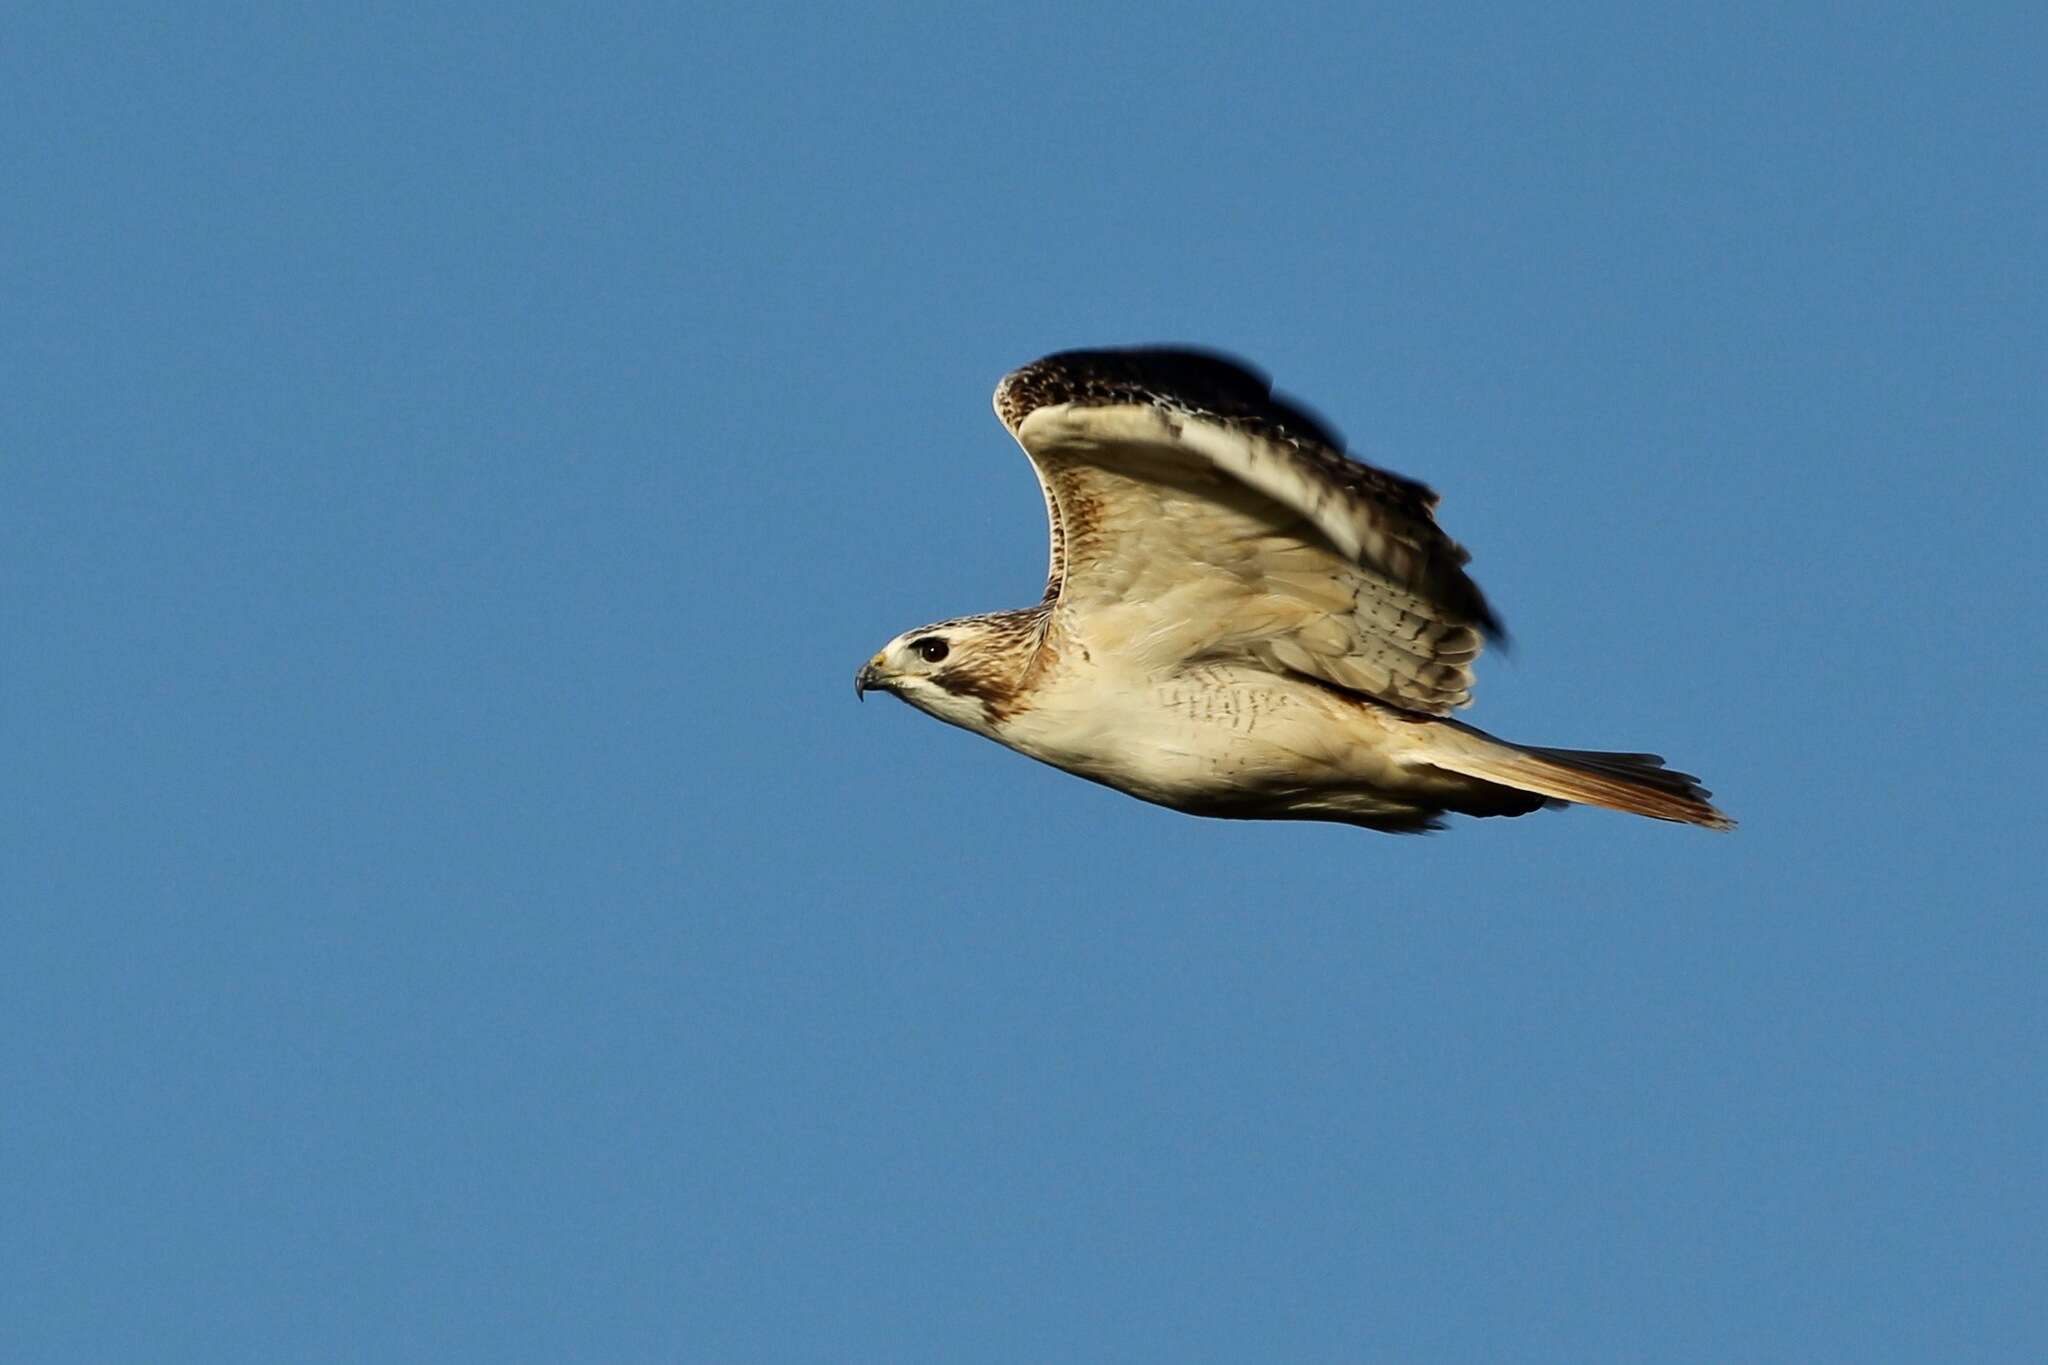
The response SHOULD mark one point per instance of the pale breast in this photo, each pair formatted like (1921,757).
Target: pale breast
(1185,737)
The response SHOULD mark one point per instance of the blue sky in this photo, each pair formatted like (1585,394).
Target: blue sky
(455,458)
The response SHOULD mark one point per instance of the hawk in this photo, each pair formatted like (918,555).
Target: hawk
(1240,620)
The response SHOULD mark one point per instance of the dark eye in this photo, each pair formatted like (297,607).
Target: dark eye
(931,648)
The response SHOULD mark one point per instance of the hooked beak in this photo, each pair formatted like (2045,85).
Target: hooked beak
(870,675)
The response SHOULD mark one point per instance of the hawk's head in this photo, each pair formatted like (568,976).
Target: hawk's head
(968,672)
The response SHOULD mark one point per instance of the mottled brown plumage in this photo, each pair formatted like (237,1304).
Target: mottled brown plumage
(998,672)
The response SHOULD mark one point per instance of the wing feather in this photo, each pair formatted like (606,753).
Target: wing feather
(1195,515)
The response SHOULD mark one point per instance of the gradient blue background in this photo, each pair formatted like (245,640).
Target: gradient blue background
(455,459)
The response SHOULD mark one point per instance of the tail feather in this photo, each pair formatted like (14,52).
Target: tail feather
(1638,784)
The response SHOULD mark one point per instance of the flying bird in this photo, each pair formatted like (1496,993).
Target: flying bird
(1240,620)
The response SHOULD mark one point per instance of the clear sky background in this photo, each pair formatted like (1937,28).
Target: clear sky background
(455,458)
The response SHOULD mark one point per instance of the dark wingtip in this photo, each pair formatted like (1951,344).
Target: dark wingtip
(1463,597)
(1203,379)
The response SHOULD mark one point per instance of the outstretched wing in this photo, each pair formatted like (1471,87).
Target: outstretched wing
(1197,516)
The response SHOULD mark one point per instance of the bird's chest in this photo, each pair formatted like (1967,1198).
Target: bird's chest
(1177,738)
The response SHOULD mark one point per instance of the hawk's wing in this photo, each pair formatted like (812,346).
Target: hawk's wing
(1197,516)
